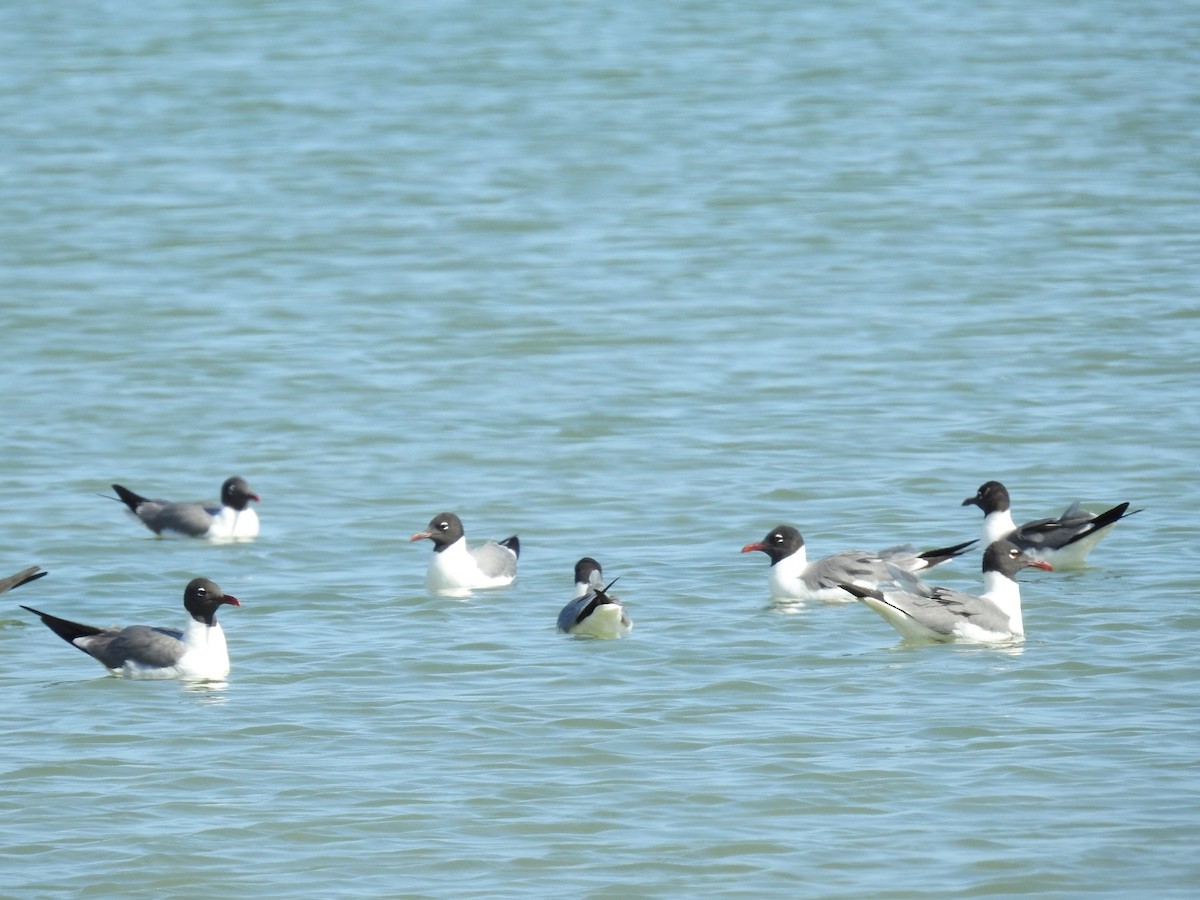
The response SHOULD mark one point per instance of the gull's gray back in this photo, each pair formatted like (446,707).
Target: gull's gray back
(191,519)
(142,644)
(941,609)
(494,560)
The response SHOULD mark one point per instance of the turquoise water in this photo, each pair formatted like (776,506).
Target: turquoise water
(636,282)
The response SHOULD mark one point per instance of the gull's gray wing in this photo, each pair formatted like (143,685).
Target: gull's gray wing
(847,567)
(581,607)
(1075,524)
(192,519)
(495,560)
(908,582)
(23,577)
(576,610)
(899,552)
(1051,534)
(941,609)
(1074,516)
(139,644)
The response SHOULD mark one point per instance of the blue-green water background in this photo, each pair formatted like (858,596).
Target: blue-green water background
(638,281)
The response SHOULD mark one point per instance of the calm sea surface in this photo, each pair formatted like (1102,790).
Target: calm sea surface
(636,281)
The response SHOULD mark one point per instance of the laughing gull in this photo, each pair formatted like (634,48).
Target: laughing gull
(455,569)
(233,519)
(921,612)
(140,651)
(23,577)
(592,611)
(793,577)
(1064,542)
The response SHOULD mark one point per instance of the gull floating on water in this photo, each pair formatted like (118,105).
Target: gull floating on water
(141,651)
(457,569)
(592,611)
(921,612)
(1064,541)
(793,577)
(232,519)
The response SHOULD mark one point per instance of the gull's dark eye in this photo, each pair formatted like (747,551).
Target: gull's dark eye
(443,526)
(1013,553)
(777,538)
(201,591)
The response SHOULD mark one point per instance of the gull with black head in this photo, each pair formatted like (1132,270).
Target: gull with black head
(592,611)
(793,578)
(233,519)
(457,569)
(923,613)
(1063,541)
(197,652)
